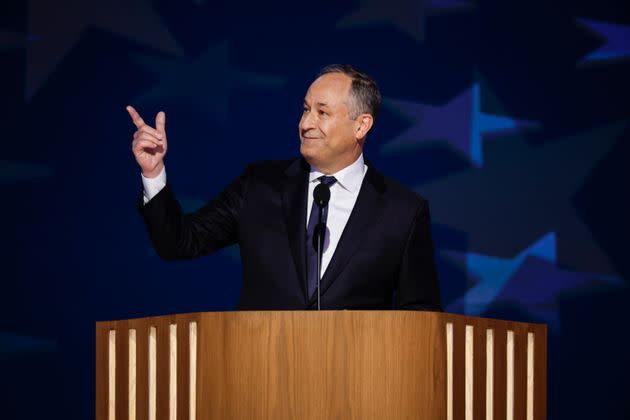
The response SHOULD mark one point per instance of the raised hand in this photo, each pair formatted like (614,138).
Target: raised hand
(149,144)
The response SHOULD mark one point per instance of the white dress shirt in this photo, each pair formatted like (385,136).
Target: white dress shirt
(343,195)
(152,186)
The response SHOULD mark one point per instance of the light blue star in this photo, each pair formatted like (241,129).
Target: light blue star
(617,40)
(493,272)
(531,281)
(461,123)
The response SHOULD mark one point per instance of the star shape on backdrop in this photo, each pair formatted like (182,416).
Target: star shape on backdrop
(15,171)
(530,281)
(523,191)
(59,25)
(460,123)
(406,15)
(205,81)
(10,40)
(616,40)
(12,344)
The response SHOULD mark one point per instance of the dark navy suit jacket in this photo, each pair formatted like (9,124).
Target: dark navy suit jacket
(385,250)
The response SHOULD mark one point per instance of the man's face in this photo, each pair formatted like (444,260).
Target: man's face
(327,134)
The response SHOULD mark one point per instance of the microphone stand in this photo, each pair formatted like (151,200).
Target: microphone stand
(321,231)
(321,196)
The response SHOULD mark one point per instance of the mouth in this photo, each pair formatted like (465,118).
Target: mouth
(308,139)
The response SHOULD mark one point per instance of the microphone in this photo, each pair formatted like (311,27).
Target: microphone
(321,196)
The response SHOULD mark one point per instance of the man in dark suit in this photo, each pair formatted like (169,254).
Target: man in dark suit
(378,241)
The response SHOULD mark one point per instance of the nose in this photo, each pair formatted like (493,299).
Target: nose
(307,121)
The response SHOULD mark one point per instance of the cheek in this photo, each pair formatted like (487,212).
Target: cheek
(324,127)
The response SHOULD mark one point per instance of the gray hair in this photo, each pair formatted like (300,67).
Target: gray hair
(364,96)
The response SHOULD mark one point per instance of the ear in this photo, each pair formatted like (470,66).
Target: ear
(363,124)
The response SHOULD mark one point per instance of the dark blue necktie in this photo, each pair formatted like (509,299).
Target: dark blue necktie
(311,248)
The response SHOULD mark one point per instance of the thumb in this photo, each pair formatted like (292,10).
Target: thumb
(160,122)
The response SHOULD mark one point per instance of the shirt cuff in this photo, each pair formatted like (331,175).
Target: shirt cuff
(152,186)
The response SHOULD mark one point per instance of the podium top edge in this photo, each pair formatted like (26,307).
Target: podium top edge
(433,314)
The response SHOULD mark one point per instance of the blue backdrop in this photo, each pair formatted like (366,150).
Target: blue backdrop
(511,117)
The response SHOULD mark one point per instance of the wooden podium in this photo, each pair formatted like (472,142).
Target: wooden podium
(320,365)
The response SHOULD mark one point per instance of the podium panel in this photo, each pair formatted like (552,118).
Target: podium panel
(320,365)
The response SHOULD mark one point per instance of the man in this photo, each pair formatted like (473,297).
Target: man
(378,241)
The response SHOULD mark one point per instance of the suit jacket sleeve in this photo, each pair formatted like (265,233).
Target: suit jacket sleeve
(418,286)
(176,235)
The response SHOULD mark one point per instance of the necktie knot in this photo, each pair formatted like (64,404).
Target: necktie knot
(327,180)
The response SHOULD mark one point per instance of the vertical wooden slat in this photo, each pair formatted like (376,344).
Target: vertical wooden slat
(449,371)
(540,373)
(489,374)
(192,394)
(479,408)
(111,375)
(183,357)
(500,372)
(531,343)
(153,369)
(122,370)
(509,395)
(520,372)
(162,325)
(469,371)
(459,369)
(132,373)
(102,355)
(142,368)
(172,371)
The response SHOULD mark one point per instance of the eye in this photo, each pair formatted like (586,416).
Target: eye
(322,112)
(305,110)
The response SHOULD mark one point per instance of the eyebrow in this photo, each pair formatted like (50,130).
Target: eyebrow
(320,104)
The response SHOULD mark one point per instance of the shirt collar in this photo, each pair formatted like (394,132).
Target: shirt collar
(349,178)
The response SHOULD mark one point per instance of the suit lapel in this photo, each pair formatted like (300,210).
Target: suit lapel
(294,207)
(365,214)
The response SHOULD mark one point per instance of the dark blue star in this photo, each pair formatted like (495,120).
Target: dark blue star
(406,15)
(10,40)
(14,171)
(18,345)
(204,82)
(59,25)
(524,191)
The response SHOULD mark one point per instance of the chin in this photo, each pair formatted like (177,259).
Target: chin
(309,154)
(306,153)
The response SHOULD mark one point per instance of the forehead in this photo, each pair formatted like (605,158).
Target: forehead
(331,89)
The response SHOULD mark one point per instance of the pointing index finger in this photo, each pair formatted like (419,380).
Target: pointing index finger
(135,117)
(160,121)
